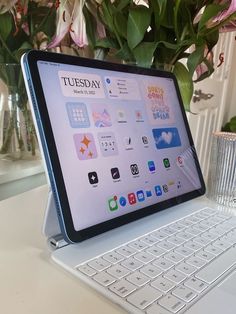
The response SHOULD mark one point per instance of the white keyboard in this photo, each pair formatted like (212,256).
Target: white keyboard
(167,270)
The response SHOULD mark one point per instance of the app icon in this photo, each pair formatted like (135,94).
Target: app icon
(151,166)
(145,140)
(112,202)
(180,161)
(121,116)
(165,188)
(78,115)
(85,146)
(148,193)
(139,116)
(122,201)
(115,173)
(140,196)
(166,162)
(134,169)
(132,198)
(179,185)
(108,144)
(93,177)
(128,143)
(158,190)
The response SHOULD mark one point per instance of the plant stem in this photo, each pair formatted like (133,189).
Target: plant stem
(7,49)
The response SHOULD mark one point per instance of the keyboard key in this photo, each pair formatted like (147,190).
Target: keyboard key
(209,211)
(217,267)
(149,240)
(144,257)
(168,230)
(209,235)
(126,251)
(184,293)
(99,264)
(176,226)
(122,288)
(186,222)
(157,309)
(171,303)
(113,257)
(159,235)
(166,245)
(193,245)
(163,263)
(205,255)
(196,284)
(175,276)
(144,297)
(132,264)
(138,245)
(151,271)
(196,261)
(201,240)
(156,251)
(184,235)
(194,219)
(176,240)
(183,250)
(85,269)
(118,271)
(137,278)
(213,249)
(104,278)
(222,244)
(193,231)
(174,257)
(186,268)
(163,284)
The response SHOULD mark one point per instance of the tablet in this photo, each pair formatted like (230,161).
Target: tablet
(115,139)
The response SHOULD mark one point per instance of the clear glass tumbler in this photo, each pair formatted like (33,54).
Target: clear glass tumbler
(221,186)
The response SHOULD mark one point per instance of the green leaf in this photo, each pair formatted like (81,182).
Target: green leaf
(6,22)
(122,4)
(106,13)
(210,11)
(185,84)
(195,59)
(233,124)
(90,26)
(143,53)
(125,53)
(120,23)
(107,42)
(158,8)
(212,39)
(138,21)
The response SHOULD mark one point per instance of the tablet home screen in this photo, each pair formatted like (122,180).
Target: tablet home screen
(120,138)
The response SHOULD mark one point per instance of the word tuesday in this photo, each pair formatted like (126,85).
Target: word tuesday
(76,82)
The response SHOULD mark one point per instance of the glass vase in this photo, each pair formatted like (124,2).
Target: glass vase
(17,133)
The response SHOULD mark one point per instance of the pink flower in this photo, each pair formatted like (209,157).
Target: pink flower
(70,21)
(226,13)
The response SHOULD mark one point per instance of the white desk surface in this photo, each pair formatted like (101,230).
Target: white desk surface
(30,283)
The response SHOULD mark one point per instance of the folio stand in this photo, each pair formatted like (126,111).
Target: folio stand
(51,227)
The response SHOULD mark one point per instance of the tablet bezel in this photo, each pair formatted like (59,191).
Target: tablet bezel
(32,77)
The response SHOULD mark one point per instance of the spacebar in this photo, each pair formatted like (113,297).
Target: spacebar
(217,267)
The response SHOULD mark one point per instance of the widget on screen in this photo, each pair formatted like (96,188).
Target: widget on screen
(166,138)
(78,115)
(85,146)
